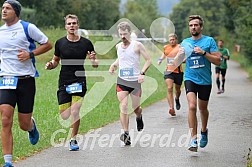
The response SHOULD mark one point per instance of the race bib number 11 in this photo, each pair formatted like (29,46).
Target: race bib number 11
(8,82)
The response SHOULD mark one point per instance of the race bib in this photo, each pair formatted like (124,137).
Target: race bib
(196,62)
(169,61)
(8,82)
(126,72)
(74,88)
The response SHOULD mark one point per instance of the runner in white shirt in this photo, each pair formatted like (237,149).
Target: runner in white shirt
(130,77)
(17,83)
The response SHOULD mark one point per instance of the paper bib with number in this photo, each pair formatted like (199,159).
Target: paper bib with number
(169,61)
(196,62)
(74,88)
(126,72)
(8,83)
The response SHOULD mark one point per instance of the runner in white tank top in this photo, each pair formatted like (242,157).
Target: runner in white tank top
(129,62)
(130,77)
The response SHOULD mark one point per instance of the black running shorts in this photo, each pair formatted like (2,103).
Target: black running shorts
(203,91)
(23,95)
(130,86)
(64,97)
(222,71)
(176,77)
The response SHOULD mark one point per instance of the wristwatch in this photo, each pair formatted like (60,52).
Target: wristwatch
(204,53)
(31,54)
(142,73)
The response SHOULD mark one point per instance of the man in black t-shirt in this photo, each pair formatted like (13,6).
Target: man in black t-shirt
(72,51)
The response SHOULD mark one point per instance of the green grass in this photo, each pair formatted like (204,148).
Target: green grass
(46,106)
(244,62)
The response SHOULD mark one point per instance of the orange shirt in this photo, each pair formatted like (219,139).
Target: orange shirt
(170,52)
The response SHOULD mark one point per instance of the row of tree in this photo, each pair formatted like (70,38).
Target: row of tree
(230,20)
(93,14)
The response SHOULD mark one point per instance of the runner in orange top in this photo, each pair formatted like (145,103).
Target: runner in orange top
(173,74)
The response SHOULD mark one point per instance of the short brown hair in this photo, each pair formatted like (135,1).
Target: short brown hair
(72,16)
(124,26)
(193,17)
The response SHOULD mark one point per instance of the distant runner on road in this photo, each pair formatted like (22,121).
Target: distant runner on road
(222,69)
(173,75)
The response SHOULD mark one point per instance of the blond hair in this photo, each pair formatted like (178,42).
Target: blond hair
(72,16)
(173,35)
(124,26)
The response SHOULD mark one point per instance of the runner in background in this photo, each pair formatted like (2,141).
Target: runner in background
(222,69)
(173,74)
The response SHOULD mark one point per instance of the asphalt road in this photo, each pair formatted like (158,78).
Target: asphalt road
(164,140)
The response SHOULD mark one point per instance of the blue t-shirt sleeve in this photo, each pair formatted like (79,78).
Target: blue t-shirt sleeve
(213,46)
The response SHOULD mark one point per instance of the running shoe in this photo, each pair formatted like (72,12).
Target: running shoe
(33,135)
(223,90)
(193,146)
(73,145)
(177,104)
(140,123)
(219,91)
(8,164)
(172,112)
(125,138)
(204,139)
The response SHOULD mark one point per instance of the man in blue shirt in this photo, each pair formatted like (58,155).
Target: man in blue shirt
(197,77)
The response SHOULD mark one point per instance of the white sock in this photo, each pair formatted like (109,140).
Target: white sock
(73,138)
(33,126)
(8,158)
